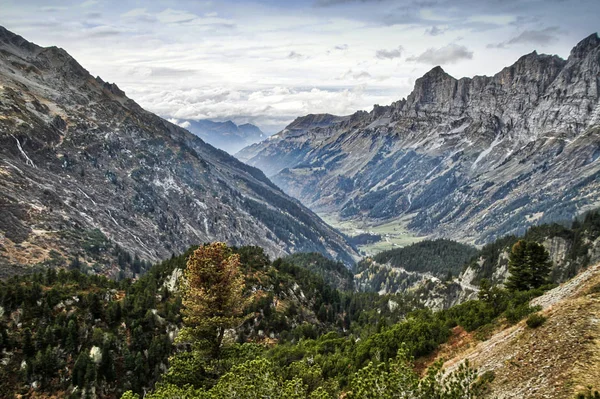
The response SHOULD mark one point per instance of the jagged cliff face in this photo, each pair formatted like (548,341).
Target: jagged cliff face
(471,159)
(78,156)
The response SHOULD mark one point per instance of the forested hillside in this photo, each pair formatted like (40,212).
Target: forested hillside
(572,246)
(303,332)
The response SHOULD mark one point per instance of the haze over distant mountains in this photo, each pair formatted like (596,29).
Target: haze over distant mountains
(471,158)
(83,166)
(226,136)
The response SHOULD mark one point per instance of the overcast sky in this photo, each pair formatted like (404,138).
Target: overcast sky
(267,61)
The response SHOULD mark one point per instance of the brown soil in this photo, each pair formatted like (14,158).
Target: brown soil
(556,360)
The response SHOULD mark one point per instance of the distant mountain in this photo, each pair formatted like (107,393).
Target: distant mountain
(86,173)
(261,155)
(225,135)
(471,159)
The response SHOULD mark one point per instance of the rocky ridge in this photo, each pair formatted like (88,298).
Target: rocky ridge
(555,360)
(83,166)
(471,159)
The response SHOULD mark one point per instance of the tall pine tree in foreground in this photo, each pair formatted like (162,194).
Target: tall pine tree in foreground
(212,296)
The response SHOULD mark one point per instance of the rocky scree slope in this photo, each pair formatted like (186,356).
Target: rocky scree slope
(471,159)
(556,360)
(79,159)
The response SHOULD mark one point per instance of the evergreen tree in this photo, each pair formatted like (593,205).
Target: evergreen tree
(539,264)
(529,265)
(72,339)
(212,295)
(518,268)
(28,348)
(80,369)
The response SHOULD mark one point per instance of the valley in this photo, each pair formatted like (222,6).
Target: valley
(392,234)
(444,246)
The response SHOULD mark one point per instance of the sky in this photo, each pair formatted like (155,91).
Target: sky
(267,62)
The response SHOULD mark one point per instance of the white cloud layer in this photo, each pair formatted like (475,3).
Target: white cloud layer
(268,62)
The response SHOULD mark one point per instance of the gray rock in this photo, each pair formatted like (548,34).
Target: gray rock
(471,159)
(113,172)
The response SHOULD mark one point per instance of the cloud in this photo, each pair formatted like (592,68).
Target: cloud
(139,15)
(403,16)
(53,9)
(88,3)
(435,31)
(449,54)
(350,74)
(270,109)
(103,31)
(389,54)
(328,3)
(541,37)
(171,16)
(93,15)
(341,47)
(295,56)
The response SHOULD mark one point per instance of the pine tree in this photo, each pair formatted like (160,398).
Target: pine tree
(79,369)
(529,265)
(539,264)
(28,348)
(518,268)
(72,339)
(212,295)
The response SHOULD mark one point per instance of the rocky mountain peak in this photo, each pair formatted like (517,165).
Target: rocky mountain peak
(585,46)
(435,87)
(15,40)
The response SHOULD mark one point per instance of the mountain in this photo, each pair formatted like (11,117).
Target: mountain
(267,154)
(471,159)
(226,136)
(86,172)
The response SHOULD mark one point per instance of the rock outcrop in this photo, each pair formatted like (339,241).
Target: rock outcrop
(471,159)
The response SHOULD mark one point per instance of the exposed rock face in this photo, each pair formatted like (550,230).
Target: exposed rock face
(225,135)
(78,156)
(471,159)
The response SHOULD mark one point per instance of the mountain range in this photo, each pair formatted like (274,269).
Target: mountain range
(86,173)
(226,136)
(471,159)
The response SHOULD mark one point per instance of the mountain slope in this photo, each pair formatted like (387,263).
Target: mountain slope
(225,135)
(558,359)
(82,165)
(472,159)
(268,156)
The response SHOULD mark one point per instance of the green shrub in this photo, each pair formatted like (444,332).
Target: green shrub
(588,394)
(517,313)
(535,320)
